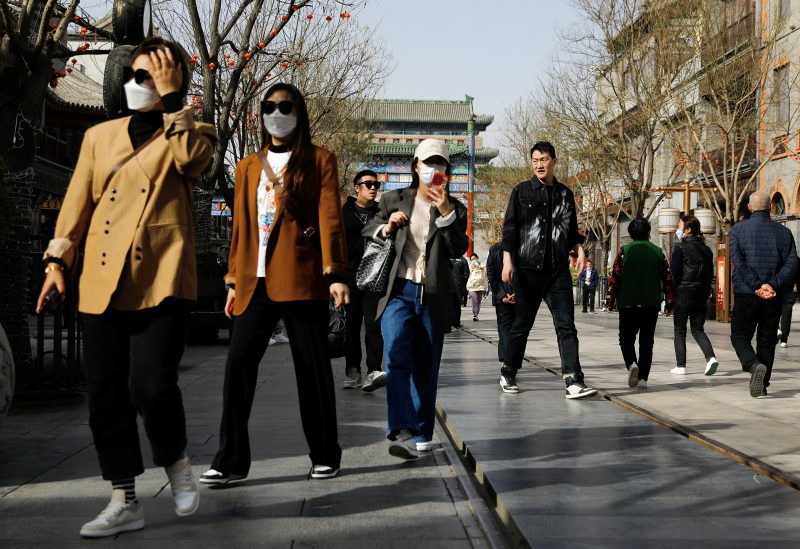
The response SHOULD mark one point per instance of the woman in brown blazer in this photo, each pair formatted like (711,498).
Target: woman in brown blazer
(288,258)
(130,199)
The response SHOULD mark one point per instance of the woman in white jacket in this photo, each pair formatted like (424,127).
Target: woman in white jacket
(476,284)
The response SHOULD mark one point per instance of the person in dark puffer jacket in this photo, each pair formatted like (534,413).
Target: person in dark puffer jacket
(764,262)
(692,270)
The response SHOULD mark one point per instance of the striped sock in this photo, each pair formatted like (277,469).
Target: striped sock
(127,484)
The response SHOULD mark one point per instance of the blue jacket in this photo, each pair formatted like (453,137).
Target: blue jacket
(592,279)
(762,252)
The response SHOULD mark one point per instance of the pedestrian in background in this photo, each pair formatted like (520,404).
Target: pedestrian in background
(639,277)
(459,269)
(588,283)
(288,258)
(502,298)
(130,197)
(476,284)
(540,231)
(429,228)
(692,269)
(357,212)
(788,299)
(764,262)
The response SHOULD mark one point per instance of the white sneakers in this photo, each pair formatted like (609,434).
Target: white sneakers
(642,384)
(678,370)
(374,380)
(115,518)
(403,446)
(711,366)
(184,490)
(323,471)
(783,345)
(633,375)
(428,446)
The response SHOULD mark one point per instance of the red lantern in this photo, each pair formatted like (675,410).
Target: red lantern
(268,75)
(247,55)
(274,32)
(212,66)
(284,65)
(261,45)
(298,62)
(328,18)
(227,56)
(284,18)
(231,63)
(69,69)
(74,60)
(309,17)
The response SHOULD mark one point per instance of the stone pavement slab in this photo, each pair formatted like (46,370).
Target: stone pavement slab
(591,474)
(718,407)
(49,483)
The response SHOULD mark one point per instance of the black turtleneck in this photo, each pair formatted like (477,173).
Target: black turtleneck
(144,124)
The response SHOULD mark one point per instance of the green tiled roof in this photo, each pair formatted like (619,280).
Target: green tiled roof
(407,150)
(431,111)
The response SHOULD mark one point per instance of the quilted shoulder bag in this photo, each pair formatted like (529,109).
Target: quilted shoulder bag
(372,275)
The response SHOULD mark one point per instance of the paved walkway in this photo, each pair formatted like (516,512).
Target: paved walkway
(592,474)
(49,484)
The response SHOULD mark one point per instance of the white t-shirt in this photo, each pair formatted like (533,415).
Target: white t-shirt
(267,205)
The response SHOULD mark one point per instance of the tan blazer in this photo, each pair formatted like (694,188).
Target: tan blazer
(295,263)
(138,226)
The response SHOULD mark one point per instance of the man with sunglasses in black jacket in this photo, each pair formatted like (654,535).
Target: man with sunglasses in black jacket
(358,211)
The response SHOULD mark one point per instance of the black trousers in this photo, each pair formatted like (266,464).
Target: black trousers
(132,362)
(787,304)
(363,307)
(760,317)
(555,289)
(505,319)
(641,321)
(307,326)
(587,299)
(695,312)
(456,301)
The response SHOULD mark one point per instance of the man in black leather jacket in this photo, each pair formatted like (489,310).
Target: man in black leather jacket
(540,232)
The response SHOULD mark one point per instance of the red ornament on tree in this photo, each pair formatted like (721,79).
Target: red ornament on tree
(284,65)
(231,63)
(309,17)
(328,18)
(247,55)
(212,66)
(261,45)
(284,18)
(274,32)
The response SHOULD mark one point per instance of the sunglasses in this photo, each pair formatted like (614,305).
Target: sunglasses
(371,184)
(285,107)
(140,75)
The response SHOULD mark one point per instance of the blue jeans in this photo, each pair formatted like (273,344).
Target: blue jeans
(413,351)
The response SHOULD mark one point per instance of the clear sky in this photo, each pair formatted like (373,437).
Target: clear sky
(445,49)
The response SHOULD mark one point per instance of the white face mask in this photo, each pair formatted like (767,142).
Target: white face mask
(427,171)
(679,234)
(140,98)
(280,125)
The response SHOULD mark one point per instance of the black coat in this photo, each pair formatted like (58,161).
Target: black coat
(353,225)
(494,272)
(524,227)
(459,269)
(692,269)
(443,244)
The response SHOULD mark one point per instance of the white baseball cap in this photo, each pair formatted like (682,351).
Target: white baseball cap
(432,147)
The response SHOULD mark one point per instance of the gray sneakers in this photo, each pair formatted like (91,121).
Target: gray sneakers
(185,491)
(352,379)
(757,373)
(115,518)
(403,446)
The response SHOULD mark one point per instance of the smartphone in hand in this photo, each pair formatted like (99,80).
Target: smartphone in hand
(438,180)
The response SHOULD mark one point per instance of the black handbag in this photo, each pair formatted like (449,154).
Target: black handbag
(376,264)
(337,331)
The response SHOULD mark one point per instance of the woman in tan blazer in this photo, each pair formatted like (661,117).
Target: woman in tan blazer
(288,258)
(130,200)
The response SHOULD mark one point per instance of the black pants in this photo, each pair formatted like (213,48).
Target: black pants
(787,304)
(505,319)
(132,362)
(588,299)
(363,307)
(760,317)
(641,321)
(695,312)
(456,304)
(307,326)
(555,288)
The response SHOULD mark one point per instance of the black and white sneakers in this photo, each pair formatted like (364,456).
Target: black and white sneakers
(212,476)
(508,380)
(757,373)
(577,389)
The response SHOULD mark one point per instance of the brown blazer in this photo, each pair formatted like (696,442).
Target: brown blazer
(295,263)
(138,226)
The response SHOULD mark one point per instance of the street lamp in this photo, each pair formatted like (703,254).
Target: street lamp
(471,185)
